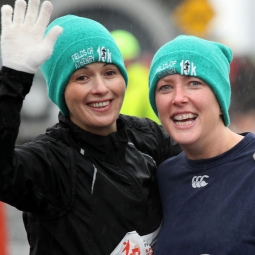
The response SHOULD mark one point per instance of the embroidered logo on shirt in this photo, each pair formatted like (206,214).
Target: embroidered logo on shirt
(198,181)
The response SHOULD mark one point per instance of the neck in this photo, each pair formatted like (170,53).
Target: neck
(212,146)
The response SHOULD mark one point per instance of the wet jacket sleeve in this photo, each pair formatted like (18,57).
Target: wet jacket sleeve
(27,175)
(164,145)
(151,138)
(14,86)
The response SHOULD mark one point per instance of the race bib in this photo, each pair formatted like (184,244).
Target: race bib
(134,244)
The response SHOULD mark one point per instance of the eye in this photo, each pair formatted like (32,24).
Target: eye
(110,72)
(195,83)
(164,88)
(81,78)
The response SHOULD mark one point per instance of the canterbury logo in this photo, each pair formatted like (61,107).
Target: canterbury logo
(198,181)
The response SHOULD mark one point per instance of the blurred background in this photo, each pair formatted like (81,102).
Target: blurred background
(140,27)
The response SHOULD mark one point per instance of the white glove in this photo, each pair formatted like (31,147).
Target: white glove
(23,45)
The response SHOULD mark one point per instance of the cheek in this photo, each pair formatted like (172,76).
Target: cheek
(72,94)
(68,95)
(210,103)
(120,90)
(123,90)
(161,104)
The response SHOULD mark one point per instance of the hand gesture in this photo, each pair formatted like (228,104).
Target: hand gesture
(23,45)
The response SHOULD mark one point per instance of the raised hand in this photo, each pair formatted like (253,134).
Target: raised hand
(23,45)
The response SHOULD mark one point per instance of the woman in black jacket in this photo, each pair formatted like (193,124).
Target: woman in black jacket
(86,186)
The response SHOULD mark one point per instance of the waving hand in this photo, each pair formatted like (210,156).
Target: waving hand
(23,45)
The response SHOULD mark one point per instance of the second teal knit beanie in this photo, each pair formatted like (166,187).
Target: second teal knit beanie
(193,56)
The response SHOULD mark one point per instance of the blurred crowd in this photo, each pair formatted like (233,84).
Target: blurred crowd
(242,109)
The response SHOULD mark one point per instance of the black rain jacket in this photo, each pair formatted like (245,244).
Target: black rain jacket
(80,192)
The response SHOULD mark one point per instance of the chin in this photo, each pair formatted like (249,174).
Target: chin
(184,139)
(106,121)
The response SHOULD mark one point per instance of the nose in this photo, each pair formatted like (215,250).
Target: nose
(180,96)
(99,86)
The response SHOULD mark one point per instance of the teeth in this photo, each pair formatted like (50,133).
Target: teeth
(186,123)
(99,105)
(185,116)
(184,119)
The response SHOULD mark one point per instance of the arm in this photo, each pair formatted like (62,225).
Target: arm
(151,138)
(164,145)
(31,174)
(24,49)
(14,85)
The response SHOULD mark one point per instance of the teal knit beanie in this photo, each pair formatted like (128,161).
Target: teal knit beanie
(192,56)
(83,41)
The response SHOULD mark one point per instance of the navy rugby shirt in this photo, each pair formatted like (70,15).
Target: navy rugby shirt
(209,205)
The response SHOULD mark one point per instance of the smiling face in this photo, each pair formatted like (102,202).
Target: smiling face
(94,96)
(188,110)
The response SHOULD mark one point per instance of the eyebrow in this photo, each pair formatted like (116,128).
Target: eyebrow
(105,64)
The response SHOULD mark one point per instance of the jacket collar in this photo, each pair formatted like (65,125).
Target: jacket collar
(89,144)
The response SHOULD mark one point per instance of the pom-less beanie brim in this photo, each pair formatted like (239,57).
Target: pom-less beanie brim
(83,41)
(192,56)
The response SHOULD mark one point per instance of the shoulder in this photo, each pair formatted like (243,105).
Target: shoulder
(249,136)
(150,137)
(173,161)
(144,130)
(141,124)
(172,166)
(247,144)
(56,141)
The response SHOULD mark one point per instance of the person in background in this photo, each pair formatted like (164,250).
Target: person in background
(136,102)
(242,108)
(88,185)
(207,191)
